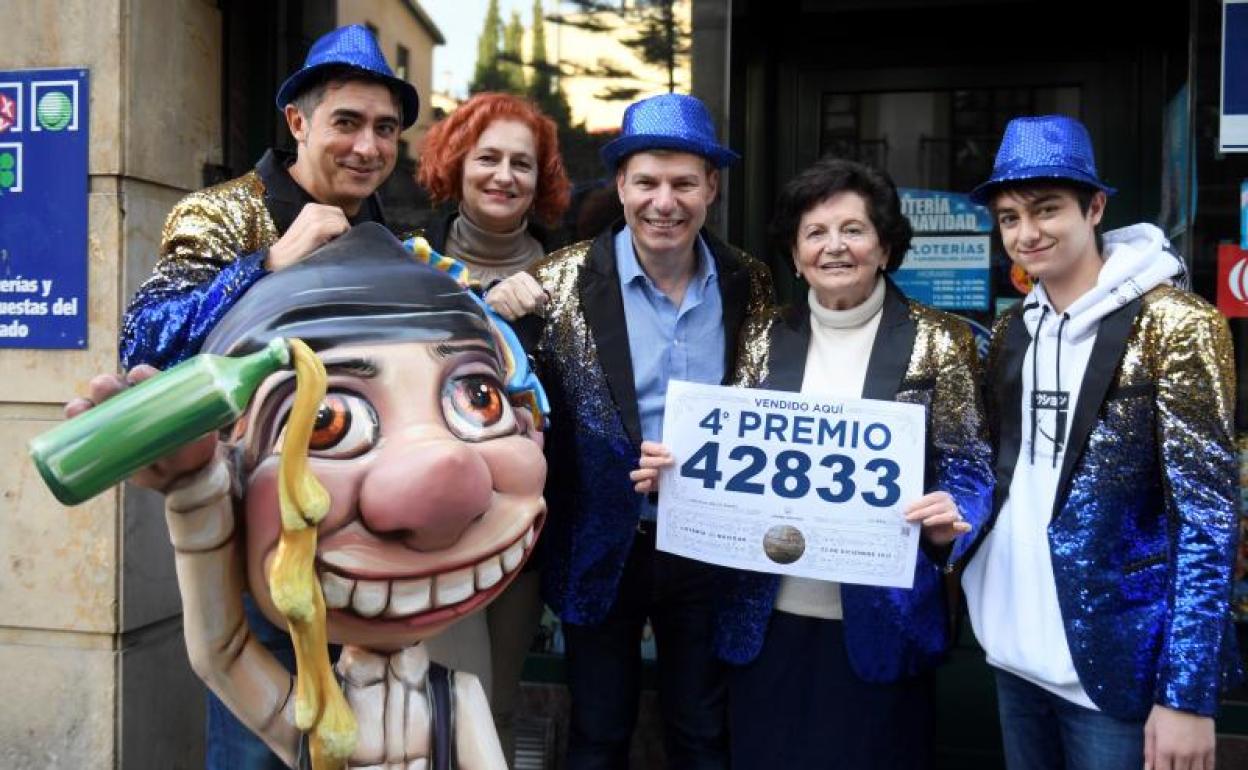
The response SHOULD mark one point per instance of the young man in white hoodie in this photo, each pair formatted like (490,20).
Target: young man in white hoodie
(1100,587)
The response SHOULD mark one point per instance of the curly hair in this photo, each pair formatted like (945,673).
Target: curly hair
(450,140)
(830,176)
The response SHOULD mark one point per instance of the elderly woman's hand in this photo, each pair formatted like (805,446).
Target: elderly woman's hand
(940,518)
(517,296)
(654,457)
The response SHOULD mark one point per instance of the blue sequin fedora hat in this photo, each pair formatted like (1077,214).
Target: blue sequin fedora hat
(353,47)
(667,122)
(1044,147)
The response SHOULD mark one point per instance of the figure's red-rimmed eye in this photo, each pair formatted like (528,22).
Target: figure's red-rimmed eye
(333,422)
(475,407)
(346,426)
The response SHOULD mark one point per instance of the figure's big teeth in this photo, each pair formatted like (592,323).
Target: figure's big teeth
(402,598)
(337,590)
(513,555)
(370,597)
(489,572)
(407,597)
(452,587)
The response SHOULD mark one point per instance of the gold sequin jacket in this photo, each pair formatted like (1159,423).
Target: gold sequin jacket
(1142,535)
(212,249)
(919,356)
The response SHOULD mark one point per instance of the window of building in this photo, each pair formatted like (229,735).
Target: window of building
(401,60)
(941,140)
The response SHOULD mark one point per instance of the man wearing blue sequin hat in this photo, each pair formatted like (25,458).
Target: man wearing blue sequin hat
(1100,588)
(654,297)
(345,109)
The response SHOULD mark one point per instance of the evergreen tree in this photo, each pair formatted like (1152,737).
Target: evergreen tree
(659,39)
(488,75)
(544,87)
(511,63)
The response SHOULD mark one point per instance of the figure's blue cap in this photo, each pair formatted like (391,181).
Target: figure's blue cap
(667,122)
(1044,147)
(354,47)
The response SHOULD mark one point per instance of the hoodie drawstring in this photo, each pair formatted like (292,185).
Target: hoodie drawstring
(1035,373)
(1059,435)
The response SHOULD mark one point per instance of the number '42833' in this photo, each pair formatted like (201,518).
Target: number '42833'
(789,475)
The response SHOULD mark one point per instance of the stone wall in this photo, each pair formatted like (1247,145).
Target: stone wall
(90,628)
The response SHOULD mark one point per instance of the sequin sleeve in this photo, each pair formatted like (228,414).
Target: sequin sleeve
(753,349)
(1195,397)
(212,250)
(961,459)
(762,295)
(751,360)
(992,410)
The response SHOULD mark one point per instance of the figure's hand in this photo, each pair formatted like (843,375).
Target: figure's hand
(160,474)
(1177,740)
(516,296)
(316,225)
(654,457)
(940,518)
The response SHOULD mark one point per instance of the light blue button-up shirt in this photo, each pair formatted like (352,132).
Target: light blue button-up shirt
(668,342)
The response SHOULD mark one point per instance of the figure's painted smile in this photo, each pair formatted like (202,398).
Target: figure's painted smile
(400,598)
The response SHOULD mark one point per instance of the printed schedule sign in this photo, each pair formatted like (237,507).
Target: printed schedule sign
(947,271)
(778,482)
(43,208)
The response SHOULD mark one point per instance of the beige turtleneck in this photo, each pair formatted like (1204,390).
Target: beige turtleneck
(836,367)
(491,256)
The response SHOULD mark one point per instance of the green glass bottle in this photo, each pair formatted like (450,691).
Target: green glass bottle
(106,444)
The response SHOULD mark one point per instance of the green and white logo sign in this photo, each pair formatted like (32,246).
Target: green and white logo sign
(8,170)
(54,111)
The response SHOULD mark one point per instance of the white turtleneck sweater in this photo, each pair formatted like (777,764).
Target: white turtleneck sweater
(836,367)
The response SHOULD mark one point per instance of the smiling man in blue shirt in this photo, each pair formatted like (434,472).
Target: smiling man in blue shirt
(654,298)
(676,329)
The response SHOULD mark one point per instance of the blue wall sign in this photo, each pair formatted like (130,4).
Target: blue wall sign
(43,208)
(949,258)
(1233,126)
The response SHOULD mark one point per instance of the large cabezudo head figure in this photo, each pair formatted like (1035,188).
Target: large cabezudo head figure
(435,475)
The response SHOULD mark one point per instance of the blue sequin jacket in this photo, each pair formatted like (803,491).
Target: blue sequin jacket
(1143,529)
(919,356)
(594,438)
(212,250)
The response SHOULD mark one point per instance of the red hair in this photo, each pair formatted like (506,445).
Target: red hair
(450,140)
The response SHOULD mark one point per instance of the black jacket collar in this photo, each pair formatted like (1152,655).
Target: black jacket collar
(890,352)
(1107,351)
(284,198)
(603,307)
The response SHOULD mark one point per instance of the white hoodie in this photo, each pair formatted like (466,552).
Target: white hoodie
(1009,583)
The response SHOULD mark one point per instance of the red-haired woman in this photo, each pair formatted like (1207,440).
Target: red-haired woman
(494,168)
